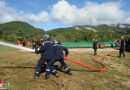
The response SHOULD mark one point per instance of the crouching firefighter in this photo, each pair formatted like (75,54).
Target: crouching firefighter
(59,56)
(47,54)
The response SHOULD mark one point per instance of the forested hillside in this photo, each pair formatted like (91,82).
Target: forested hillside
(16,30)
(88,33)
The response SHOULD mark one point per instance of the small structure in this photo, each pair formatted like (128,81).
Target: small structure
(20,43)
(28,43)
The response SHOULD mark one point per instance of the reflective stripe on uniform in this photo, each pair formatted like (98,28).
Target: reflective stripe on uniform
(47,69)
(57,45)
(48,42)
(53,70)
(66,68)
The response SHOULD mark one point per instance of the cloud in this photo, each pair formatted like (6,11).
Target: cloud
(91,13)
(8,14)
(41,17)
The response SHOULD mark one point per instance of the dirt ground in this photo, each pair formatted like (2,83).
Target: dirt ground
(17,71)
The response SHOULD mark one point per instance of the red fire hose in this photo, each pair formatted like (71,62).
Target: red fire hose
(94,59)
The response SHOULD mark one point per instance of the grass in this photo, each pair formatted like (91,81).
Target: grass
(17,67)
(5,47)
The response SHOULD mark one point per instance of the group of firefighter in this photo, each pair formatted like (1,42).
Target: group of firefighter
(122,44)
(52,51)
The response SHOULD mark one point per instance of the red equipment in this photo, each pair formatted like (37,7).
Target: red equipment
(102,46)
(28,43)
(20,43)
(94,59)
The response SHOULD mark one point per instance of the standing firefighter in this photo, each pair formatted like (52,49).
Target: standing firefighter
(126,44)
(95,47)
(34,44)
(122,47)
(47,54)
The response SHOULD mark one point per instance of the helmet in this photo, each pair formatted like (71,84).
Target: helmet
(57,42)
(45,36)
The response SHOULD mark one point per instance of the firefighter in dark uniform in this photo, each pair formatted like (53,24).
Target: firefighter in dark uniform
(41,40)
(47,54)
(126,44)
(122,47)
(95,47)
(59,56)
(24,44)
(34,44)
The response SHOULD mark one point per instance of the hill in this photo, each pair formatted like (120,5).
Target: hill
(12,31)
(18,25)
(89,32)
(17,30)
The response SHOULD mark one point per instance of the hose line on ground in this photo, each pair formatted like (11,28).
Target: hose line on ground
(94,59)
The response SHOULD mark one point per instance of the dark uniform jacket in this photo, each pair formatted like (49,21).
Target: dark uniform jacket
(94,44)
(122,45)
(58,51)
(47,49)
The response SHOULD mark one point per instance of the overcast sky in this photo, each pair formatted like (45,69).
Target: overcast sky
(50,14)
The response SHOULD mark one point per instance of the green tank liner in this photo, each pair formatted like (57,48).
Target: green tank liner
(87,44)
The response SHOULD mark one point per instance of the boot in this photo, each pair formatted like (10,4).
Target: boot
(124,55)
(69,72)
(36,76)
(55,74)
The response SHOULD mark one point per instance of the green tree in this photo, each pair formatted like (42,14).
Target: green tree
(20,34)
(1,32)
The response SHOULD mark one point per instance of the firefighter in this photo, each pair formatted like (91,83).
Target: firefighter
(47,54)
(24,44)
(34,44)
(122,47)
(95,46)
(41,40)
(126,44)
(59,56)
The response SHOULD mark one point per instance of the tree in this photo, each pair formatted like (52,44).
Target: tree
(20,35)
(1,32)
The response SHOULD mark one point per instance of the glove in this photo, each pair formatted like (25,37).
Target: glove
(38,49)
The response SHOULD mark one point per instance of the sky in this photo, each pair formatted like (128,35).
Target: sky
(51,14)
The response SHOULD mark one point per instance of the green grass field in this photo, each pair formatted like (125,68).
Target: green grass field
(5,47)
(17,68)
